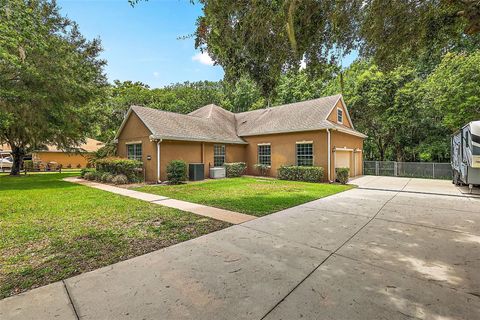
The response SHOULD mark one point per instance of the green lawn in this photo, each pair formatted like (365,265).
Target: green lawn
(51,229)
(255,196)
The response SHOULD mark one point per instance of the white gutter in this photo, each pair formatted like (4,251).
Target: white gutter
(329,152)
(158,160)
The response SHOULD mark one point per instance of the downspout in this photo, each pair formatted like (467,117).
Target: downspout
(158,160)
(329,155)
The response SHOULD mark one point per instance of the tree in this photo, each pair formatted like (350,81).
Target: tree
(242,96)
(296,86)
(263,39)
(48,75)
(111,107)
(453,90)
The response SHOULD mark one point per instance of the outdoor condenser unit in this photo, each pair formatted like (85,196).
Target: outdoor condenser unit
(217,172)
(196,171)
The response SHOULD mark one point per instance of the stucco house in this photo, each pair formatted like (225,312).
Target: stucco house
(77,157)
(310,133)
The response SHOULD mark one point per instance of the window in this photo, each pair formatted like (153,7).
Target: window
(265,154)
(475,144)
(134,151)
(339,115)
(305,154)
(218,155)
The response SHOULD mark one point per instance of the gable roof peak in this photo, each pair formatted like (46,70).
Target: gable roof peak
(208,110)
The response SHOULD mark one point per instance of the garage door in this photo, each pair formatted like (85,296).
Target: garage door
(342,159)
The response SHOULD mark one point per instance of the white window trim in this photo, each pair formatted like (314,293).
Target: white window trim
(313,151)
(224,153)
(258,155)
(135,143)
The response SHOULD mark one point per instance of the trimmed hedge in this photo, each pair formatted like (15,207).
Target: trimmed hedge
(262,168)
(84,171)
(132,169)
(120,179)
(235,169)
(90,175)
(107,177)
(299,173)
(176,171)
(342,175)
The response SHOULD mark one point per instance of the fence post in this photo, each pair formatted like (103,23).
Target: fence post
(376,168)
(434,170)
(395,172)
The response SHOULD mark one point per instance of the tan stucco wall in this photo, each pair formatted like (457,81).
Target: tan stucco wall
(283,148)
(135,131)
(191,152)
(333,115)
(63,158)
(343,140)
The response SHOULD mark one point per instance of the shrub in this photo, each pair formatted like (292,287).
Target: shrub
(106,177)
(120,179)
(132,169)
(83,172)
(28,165)
(176,171)
(90,175)
(235,169)
(299,173)
(342,175)
(262,168)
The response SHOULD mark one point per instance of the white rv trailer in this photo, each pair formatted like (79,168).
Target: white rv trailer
(466,155)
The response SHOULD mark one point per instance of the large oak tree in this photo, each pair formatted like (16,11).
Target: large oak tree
(265,38)
(48,75)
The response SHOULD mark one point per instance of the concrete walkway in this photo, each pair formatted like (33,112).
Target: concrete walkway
(359,254)
(206,211)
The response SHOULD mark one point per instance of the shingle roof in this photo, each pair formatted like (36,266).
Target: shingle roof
(299,116)
(212,123)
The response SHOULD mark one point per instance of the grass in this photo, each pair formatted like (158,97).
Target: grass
(255,196)
(51,229)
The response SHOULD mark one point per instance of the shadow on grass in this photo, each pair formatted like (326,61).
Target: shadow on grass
(36,181)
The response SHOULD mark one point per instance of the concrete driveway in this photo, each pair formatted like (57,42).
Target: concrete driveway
(360,254)
(445,187)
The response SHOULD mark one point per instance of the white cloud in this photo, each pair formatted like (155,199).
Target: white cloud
(156,74)
(203,58)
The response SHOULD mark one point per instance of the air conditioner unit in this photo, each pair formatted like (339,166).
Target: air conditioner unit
(196,171)
(217,172)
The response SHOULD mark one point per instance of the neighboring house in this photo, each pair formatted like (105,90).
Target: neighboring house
(77,157)
(311,133)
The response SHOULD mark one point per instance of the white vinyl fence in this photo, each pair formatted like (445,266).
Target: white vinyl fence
(428,170)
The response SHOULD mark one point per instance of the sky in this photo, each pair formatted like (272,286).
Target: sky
(141,43)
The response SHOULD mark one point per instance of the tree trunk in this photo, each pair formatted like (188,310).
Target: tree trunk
(18,154)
